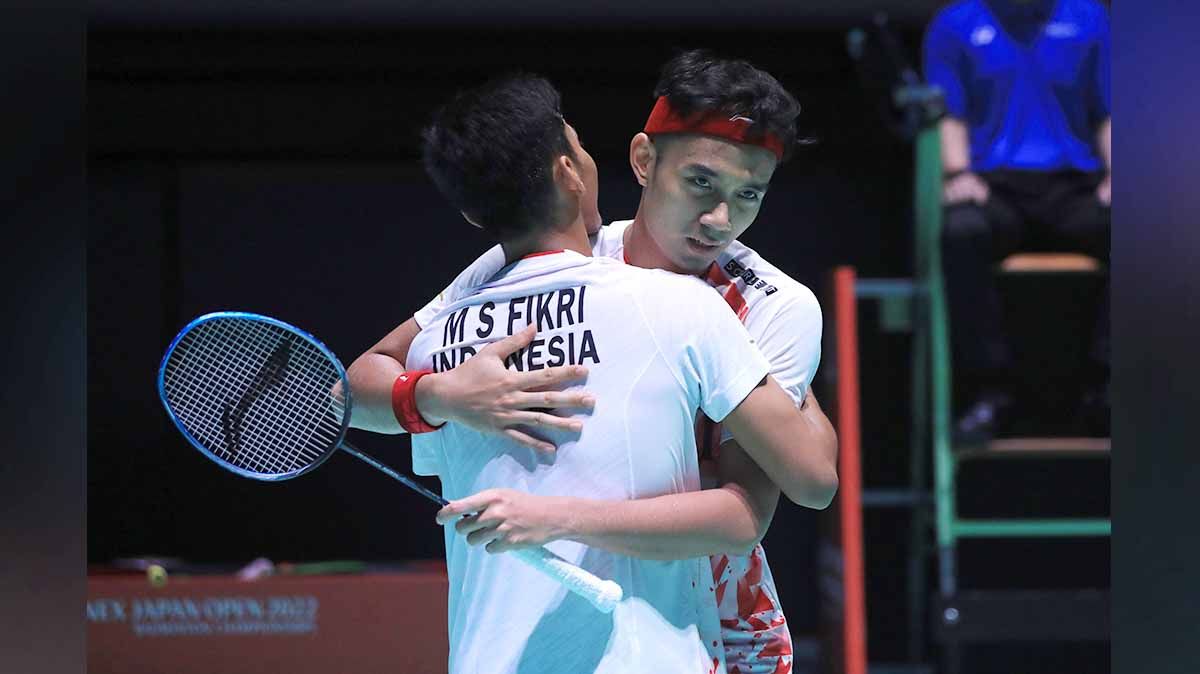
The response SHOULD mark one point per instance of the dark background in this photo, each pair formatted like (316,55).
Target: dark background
(267,161)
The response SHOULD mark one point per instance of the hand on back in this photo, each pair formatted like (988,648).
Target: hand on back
(486,396)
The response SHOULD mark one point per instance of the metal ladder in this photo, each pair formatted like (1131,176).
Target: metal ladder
(918,304)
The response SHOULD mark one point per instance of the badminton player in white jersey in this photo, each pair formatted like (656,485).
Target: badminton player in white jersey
(657,346)
(704,175)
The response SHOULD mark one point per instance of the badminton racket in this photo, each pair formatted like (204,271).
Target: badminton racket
(258,397)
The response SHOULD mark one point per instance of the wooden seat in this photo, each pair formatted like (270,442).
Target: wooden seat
(1049,263)
(1041,447)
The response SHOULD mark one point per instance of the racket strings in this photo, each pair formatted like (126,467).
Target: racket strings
(302,401)
(275,420)
(289,425)
(207,367)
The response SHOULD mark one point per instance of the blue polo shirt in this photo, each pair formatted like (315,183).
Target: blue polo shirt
(1030,79)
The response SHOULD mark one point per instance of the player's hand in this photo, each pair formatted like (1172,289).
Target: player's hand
(485,395)
(506,519)
(1104,190)
(965,187)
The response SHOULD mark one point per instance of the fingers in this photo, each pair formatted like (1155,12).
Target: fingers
(504,545)
(447,514)
(511,344)
(474,523)
(470,506)
(551,377)
(544,420)
(953,194)
(529,441)
(493,541)
(470,524)
(966,187)
(493,536)
(552,400)
(982,192)
(483,536)
(497,546)
(498,542)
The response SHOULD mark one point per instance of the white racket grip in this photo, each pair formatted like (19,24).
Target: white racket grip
(603,594)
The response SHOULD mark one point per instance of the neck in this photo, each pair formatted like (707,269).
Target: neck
(573,237)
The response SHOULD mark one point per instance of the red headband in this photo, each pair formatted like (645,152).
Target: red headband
(665,120)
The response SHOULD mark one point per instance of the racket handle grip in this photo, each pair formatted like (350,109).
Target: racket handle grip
(603,594)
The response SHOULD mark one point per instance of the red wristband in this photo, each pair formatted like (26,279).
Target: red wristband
(404,403)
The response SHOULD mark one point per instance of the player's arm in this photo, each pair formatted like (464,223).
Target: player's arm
(798,448)
(790,339)
(372,375)
(481,393)
(729,519)
(812,449)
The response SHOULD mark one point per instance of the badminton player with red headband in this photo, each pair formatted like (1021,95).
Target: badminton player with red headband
(659,347)
(716,133)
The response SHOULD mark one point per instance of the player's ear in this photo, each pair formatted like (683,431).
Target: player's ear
(470,220)
(642,155)
(566,175)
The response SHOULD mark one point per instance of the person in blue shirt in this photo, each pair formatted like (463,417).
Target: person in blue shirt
(1026,156)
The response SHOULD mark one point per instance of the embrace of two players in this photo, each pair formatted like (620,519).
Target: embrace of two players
(633,396)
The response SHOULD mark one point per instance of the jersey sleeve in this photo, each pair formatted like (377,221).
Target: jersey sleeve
(944,64)
(476,274)
(790,339)
(707,344)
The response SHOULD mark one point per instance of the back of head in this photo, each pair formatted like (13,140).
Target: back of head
(490,152)
(696,83)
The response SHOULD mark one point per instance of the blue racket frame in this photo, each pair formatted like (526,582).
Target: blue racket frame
(271,477)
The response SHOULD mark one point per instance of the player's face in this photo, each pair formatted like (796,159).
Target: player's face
(589,203)
(702,194)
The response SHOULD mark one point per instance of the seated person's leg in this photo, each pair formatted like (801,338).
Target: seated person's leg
(1085,227)
(974,238)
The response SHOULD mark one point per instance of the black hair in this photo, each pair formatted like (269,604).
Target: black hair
(490,151)
(696,81)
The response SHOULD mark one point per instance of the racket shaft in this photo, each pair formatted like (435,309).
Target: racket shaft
(603,594)
(346,447)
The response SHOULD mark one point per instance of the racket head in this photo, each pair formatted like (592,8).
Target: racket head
(271,378)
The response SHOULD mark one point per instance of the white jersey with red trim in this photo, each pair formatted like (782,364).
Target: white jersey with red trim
(781,313)
(658,347)
(784,318)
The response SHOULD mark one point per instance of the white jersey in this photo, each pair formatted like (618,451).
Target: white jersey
(781,314)
(784,319)
(658,347)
